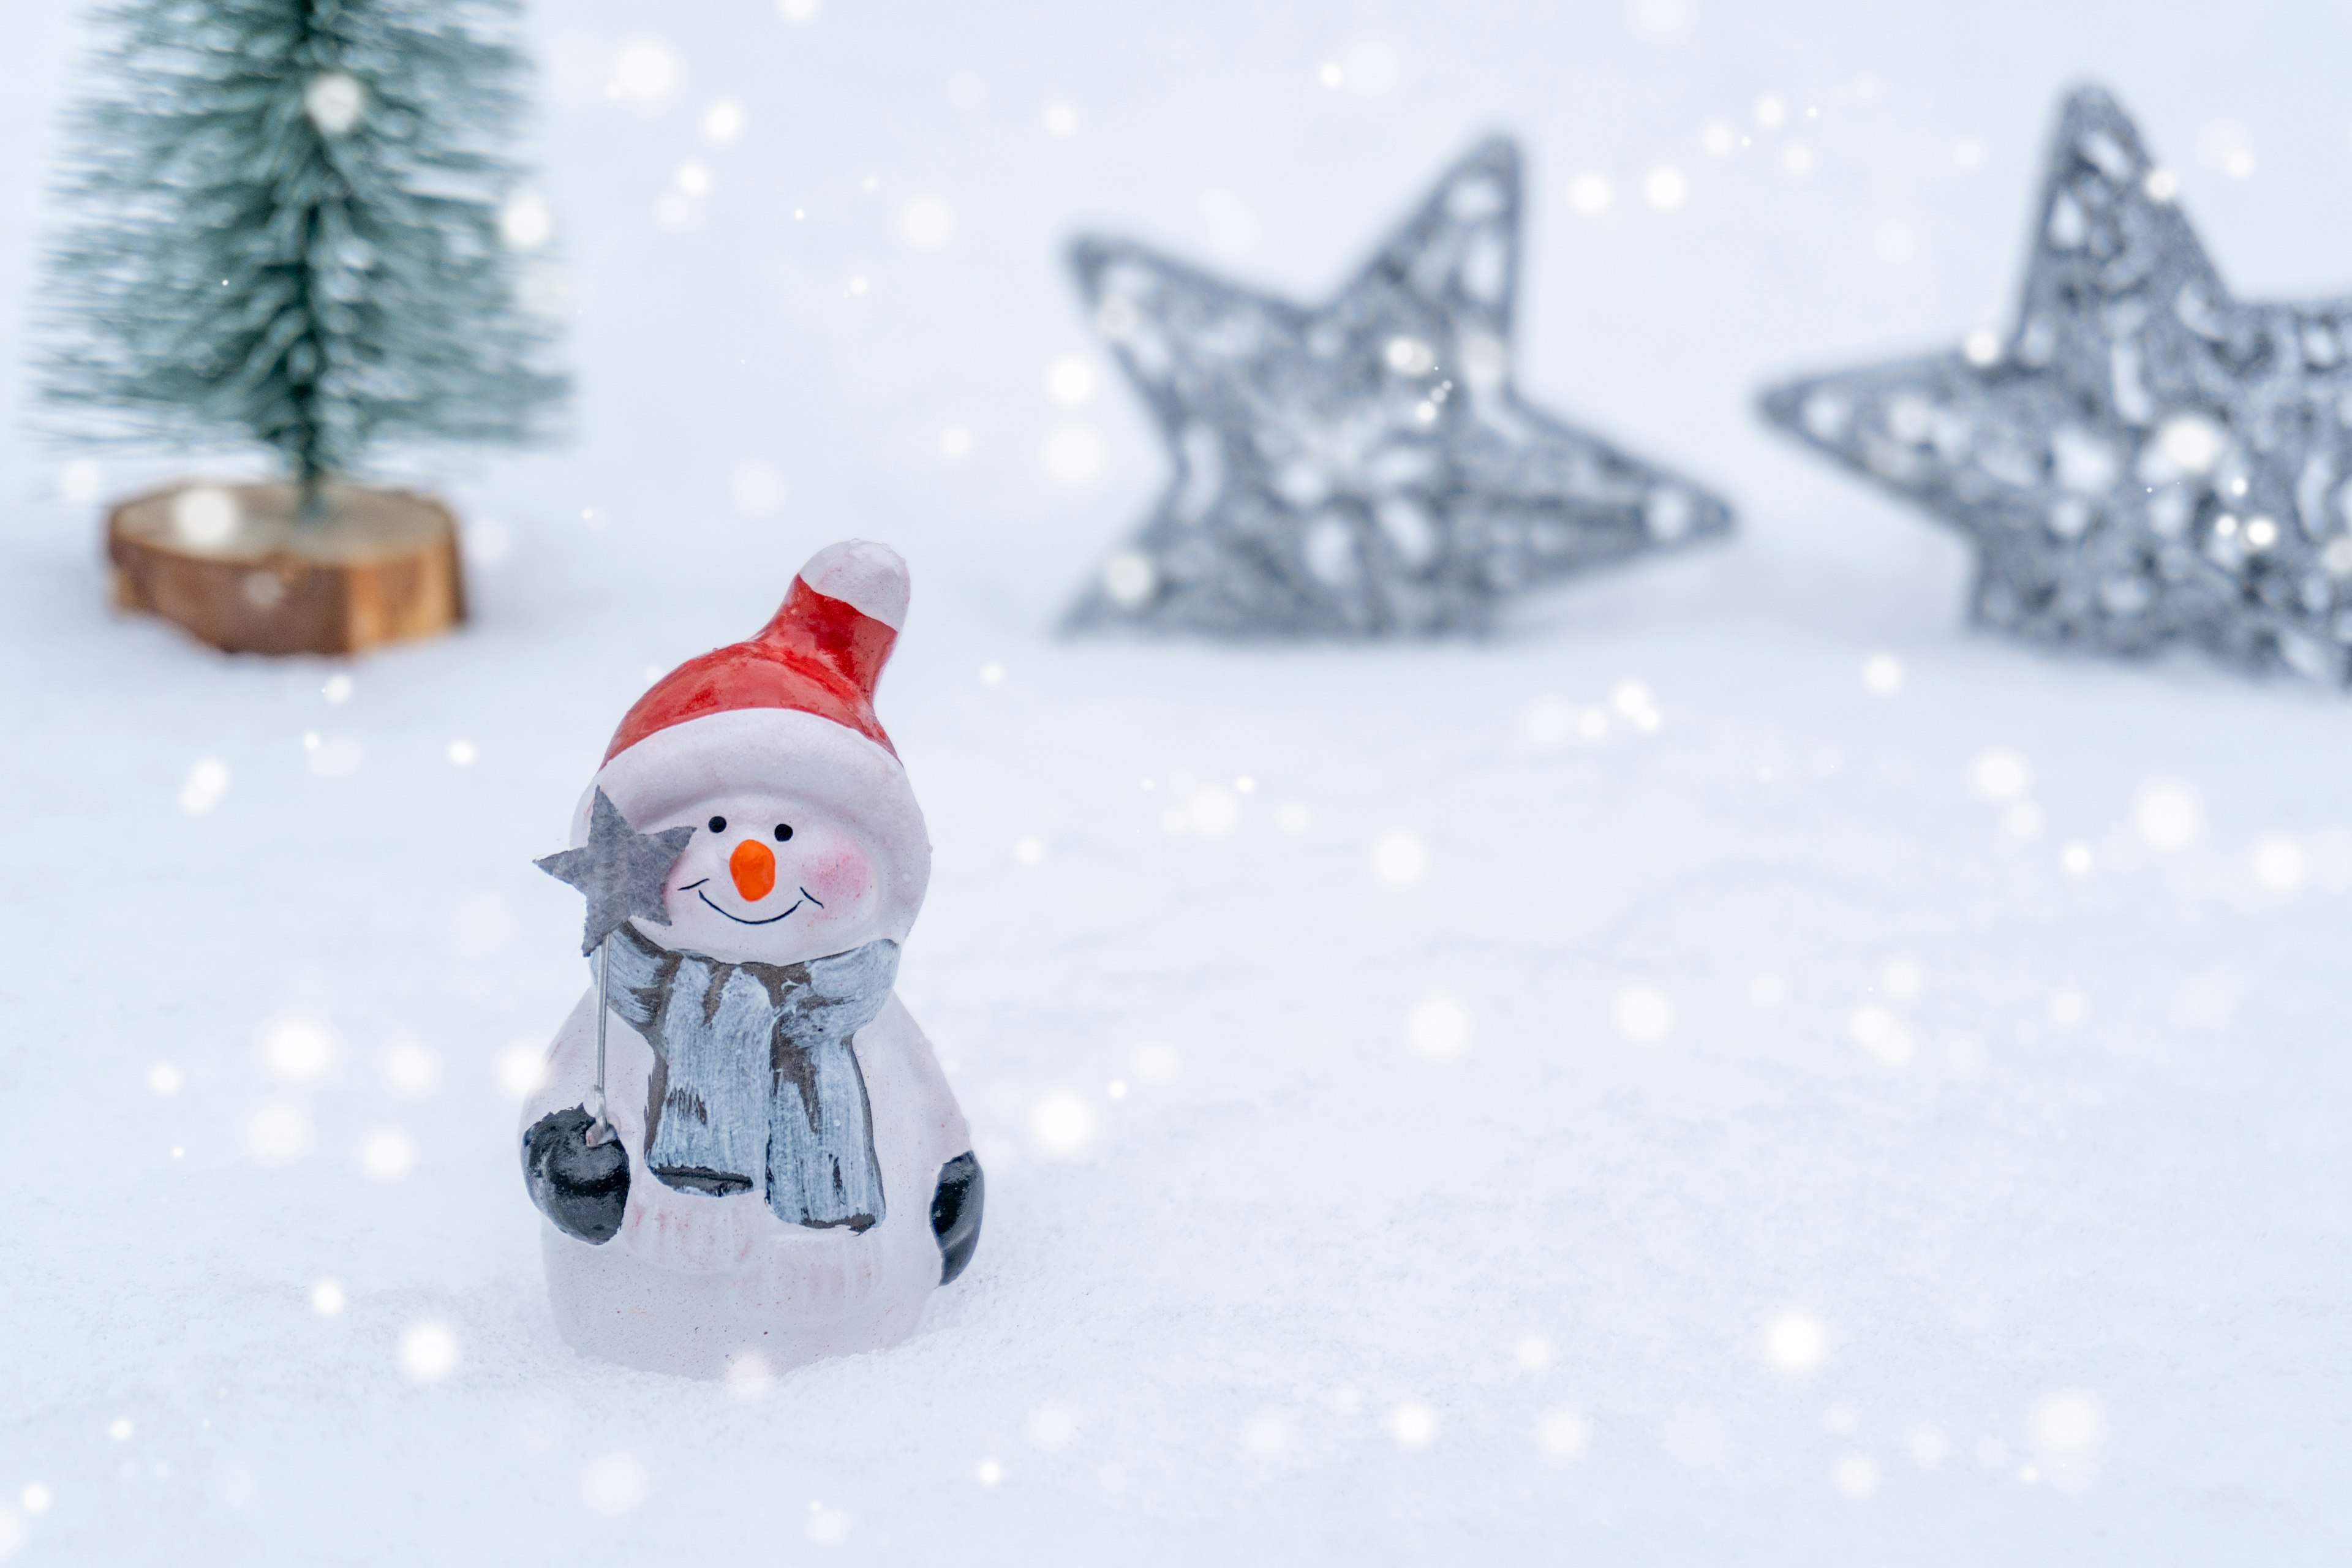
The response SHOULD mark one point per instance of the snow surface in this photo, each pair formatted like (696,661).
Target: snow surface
(2047,1169)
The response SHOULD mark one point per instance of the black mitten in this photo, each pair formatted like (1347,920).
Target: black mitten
(955,1214)
(582,1188)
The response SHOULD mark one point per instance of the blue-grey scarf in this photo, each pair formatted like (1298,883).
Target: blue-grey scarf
(753,1076)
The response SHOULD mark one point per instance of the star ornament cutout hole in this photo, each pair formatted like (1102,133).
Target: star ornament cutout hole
(2141,461)
(1364,468)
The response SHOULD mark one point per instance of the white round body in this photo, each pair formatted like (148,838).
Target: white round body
(695,1285)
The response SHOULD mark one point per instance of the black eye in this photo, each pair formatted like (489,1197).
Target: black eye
(783,831)
(718,825)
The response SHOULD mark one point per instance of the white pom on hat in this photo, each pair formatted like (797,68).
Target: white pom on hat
(870,578)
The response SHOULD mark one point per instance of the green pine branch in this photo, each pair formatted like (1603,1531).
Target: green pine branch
(284,230)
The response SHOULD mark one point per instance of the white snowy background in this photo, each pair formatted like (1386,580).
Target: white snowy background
(1736,1068)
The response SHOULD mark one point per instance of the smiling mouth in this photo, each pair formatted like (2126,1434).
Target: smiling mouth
(806,898)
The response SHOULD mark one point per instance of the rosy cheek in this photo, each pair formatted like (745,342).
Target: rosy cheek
(840,878)
(679,901)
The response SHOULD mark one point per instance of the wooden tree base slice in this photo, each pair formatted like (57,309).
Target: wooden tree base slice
(234,566)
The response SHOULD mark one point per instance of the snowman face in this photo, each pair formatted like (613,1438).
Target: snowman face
(768,880)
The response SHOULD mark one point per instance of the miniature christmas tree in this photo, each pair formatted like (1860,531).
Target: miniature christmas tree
(284,229)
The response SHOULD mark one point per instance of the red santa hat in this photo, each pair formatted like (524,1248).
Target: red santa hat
(790,712)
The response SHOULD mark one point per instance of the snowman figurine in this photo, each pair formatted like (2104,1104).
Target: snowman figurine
(745,1152)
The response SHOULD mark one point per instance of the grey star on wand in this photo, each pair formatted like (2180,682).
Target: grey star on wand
(2141,461)
(1364,468)
(621,870)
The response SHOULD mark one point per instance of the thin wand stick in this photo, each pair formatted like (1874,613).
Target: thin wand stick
(602,1128)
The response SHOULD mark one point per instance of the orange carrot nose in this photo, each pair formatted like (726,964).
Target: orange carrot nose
(753,867)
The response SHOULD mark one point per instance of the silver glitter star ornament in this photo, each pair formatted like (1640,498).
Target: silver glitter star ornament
(621,870)
(1365,468)
(2143,461)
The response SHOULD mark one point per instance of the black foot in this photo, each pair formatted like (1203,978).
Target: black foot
(955,1214)
(583,1190)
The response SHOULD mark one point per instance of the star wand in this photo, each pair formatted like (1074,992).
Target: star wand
(622,872)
